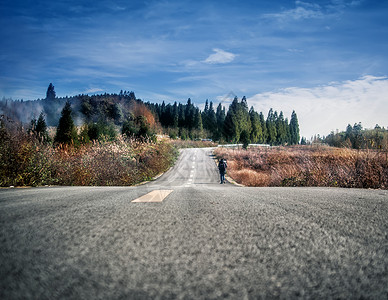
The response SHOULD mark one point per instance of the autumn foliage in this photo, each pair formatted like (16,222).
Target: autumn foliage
(25,161)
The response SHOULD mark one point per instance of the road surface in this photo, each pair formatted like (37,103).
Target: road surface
(203,241)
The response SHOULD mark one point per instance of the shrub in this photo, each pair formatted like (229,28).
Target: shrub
(24,160)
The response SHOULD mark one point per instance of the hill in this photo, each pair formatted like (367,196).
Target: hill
(238,124)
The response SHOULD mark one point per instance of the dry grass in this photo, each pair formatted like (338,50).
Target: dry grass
(307,166)
(24,161)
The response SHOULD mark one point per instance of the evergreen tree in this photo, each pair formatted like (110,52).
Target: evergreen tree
(66,130)
(50,94)
(244,103)
(256,132)
(101,130)
(271,127)
(189,115)
(231,128)
(237,121)
(198,120)
(281,130)
(205,115)
(138,128)
(181,111)
(288,133)
(263,128)
(212,121)
(244,120)
(294,129)
(175,115)
(245,138)
(220,118)
(39,128)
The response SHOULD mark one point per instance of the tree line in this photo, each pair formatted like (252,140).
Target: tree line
(104,116)
(357,137)
(238,125)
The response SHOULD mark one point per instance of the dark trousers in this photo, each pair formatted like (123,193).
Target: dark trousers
(222,176)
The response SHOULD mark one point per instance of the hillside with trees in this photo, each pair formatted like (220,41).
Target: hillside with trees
(106,115)
(357,137)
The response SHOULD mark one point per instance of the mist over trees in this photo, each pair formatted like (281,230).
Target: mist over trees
(106,115)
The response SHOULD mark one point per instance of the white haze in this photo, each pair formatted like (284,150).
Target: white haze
(323,109)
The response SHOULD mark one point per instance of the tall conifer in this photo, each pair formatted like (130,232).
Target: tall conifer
(66,130)
(294,129)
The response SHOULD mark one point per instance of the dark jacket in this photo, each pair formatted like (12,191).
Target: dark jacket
(222,165)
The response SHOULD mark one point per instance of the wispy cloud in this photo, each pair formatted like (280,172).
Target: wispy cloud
(92,90)
(302,11)
(306,10)
(220,57)
(332,106)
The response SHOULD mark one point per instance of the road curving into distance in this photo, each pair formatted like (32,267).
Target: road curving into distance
(193,239)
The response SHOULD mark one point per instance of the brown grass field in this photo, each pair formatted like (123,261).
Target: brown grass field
(315,165)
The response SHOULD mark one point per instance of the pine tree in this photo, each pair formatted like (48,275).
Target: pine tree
(198,120)
(175,115)
(181,120)
(271,127)
(39,128)
(263,128)
(256,132)
(231,126)
(237,121)
(294,129)
(50,94)
(205,115)
(244,121)
(244,103)
(220,117)
(66,130)
(189,115)
(281,130)
(212,121)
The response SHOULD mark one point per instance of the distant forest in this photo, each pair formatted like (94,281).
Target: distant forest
(357,137)
(101,115)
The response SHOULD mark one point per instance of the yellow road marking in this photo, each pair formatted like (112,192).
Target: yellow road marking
(154,196)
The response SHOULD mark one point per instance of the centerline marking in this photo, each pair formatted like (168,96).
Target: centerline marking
(154,196)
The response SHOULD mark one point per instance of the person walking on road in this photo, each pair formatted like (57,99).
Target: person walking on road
(222,166)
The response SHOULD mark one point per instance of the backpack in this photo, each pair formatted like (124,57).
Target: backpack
(222,166)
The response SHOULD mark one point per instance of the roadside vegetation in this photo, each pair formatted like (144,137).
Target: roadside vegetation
(31,157)
(314,165)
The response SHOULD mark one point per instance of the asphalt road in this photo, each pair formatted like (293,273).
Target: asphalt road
(204,241)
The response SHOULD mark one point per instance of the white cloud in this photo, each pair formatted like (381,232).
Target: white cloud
(302,11)
(92,90)
(330,107)
(220,57)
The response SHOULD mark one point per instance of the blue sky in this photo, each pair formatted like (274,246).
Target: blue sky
(328,60)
